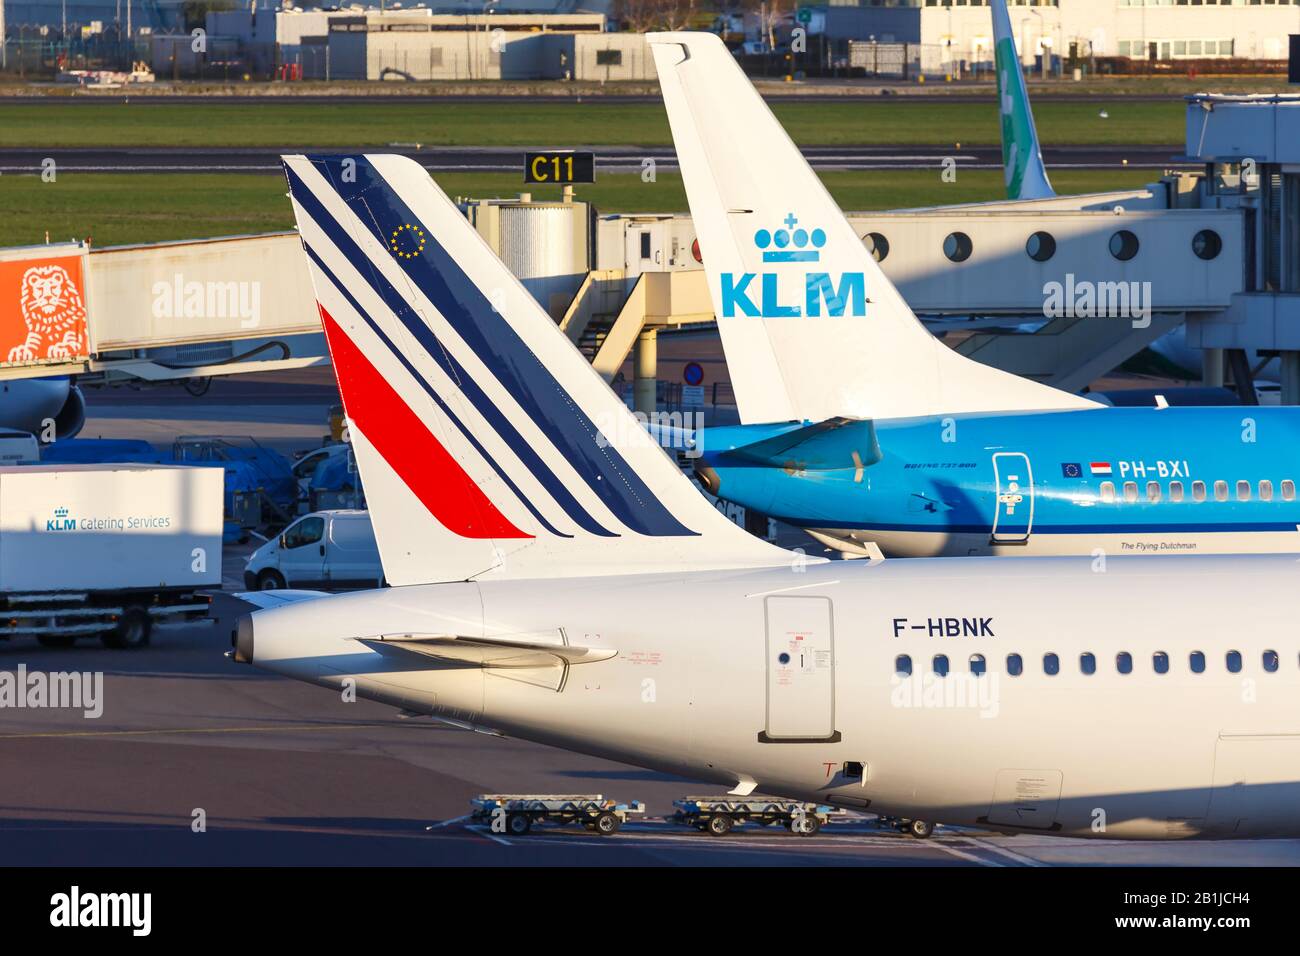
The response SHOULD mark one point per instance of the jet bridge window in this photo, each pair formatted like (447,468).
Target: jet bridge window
(1088,663)
(1124,245)
(1153,492)
(1220,491)
(1124,662)
(1270,661)
(1198,491)
(1051,665)
(1243,491)
(877,245)
(1234,662)
(903,665)
(1288,490)
(941,665)
(1108,492)
(1265,490)
(978,665)
(1160,661)
(1015,665)
(958,247)
(1041,246)
(1175,491)
(1197,661)
(1131,492)
(1207,244)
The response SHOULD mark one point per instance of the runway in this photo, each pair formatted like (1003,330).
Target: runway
(621,159)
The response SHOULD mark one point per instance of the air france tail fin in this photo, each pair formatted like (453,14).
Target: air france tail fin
(811,326)
(488,445)
(1022,157)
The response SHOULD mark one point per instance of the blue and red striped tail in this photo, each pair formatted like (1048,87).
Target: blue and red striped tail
(487,443)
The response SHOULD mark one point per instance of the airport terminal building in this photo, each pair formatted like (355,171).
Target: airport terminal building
(1158,30)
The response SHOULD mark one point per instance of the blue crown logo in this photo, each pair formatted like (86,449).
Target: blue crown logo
(60,512)
(792,245)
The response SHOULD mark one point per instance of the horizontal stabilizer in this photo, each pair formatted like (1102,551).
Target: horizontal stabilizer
(485,652)
(834,443)
(278,598)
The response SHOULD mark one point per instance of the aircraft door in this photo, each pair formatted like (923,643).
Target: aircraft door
(800,650)
(1013,516)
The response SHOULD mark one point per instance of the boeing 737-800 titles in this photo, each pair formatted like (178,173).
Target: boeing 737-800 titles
(861,427)
(556,578)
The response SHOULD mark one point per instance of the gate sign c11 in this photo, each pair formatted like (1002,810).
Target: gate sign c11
(559,166)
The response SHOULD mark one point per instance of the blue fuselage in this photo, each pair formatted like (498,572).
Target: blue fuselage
(1173,480)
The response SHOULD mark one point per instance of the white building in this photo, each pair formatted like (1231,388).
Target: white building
(1167,29)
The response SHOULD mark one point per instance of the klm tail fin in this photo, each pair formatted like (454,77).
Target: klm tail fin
(488,445)
(1022,157)
(811,326)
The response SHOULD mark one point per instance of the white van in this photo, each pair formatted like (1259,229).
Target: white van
(325,550)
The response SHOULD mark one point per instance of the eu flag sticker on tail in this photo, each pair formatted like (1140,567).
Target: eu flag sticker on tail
(407,241)
(1071,469)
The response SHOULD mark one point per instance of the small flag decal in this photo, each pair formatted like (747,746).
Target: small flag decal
(1100,468)
(1071,470)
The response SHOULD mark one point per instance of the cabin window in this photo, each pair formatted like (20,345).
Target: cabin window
(941,665)
(1124,662)
(1234,662)
(1131,492)
(1051,664)
(1175,491)
(1243,491)
(1015,666)
(1088,663)
(903,665)
(1197,661)
(978,665)
(1198,491)
(1108,491)
(1288,490)
(1160,661)
(1270,661)
(1266,490)
(1220,491)
(1153,491)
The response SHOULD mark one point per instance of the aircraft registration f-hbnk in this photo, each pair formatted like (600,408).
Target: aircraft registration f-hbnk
(556,578)
(860,426)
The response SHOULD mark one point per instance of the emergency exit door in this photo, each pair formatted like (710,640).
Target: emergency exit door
(800,650)
(1013,515)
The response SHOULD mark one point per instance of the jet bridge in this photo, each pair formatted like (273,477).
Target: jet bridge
(1060,290)
(161,311)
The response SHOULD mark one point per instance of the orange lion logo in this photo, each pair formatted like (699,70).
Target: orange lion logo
(54,313)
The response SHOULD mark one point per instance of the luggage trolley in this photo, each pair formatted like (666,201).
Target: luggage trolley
(719,815)
(522,810)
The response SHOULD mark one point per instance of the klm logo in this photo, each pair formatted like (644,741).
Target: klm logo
(61,521)
(759,295)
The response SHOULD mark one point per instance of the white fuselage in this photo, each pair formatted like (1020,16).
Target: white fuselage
(786,678)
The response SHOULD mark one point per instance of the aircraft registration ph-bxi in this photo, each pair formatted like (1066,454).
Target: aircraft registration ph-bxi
(556,578)
(860,426)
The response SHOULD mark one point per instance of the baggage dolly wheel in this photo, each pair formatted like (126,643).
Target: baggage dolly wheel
(719,825)
(920,829)
(519,824)
(811,825)
(607,824)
